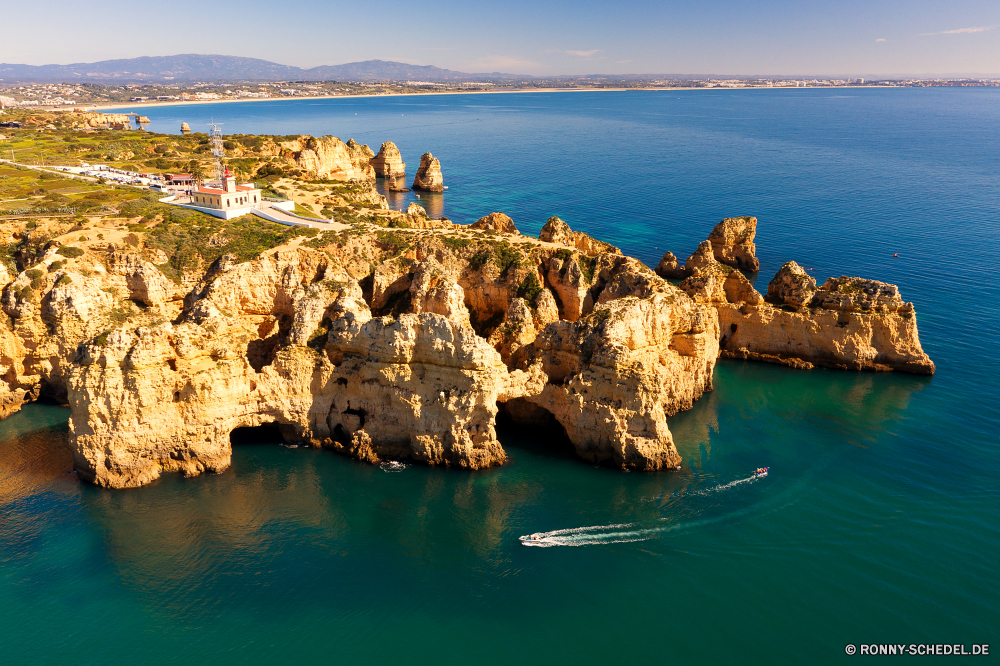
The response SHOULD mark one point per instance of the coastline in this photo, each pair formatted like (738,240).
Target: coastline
(146,105)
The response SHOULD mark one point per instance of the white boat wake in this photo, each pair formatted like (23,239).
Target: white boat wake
(623,532)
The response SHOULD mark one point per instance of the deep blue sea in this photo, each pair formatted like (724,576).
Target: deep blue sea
(877,524)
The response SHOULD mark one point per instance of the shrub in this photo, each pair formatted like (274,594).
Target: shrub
(36,277)
(530,287)
(70,251)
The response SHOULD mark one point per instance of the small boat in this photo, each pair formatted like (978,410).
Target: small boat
(761,471)
(530,538)
(895,256)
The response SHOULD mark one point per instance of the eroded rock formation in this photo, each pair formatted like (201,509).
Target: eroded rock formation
(329,157)
(557,231)
(732,243)
(404,344)
(495,222)
(388,164)
(429,176)
(848,323)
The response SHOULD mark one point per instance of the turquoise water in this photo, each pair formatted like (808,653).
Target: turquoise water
(878,522)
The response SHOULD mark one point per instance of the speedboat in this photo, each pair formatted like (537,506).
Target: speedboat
(761,471)
(530,538)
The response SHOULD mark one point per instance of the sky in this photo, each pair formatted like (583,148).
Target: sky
(537,37)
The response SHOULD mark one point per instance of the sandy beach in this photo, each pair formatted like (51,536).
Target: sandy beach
(143,105)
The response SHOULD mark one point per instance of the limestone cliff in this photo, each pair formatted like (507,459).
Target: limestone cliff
(496,222)
(848,323)
(388,164)
(557,231)
(266,343)
(429,176)
(329,157)
(399,343)
(732,243)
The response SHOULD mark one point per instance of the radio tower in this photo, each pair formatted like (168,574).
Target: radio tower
(215,140)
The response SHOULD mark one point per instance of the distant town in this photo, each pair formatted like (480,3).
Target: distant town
(60,95)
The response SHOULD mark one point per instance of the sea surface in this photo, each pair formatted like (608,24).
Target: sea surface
(878,522)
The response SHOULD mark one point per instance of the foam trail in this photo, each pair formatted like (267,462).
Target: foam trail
(726,486)
(620,532)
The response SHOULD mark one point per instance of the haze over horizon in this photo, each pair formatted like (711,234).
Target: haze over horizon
(767,37)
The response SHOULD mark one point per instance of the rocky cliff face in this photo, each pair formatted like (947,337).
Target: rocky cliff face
(429,176)
(388,164)
(495,222)
(329,157)
(405,343)
(558,232)
(848,323)
(115,121)
(732,243)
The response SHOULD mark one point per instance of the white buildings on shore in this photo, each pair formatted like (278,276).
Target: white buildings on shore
(226,199)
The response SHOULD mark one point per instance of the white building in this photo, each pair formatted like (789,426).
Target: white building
(227,199)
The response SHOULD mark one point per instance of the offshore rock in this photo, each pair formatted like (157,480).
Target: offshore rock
(388,164)
(495,222)
(732,243)
(429,176)
(670,268)
(703,259)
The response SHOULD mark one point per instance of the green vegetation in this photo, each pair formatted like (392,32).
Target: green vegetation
(392,242)
(36,278)
(530,287)
(503,255)
(456,243)
(587,266)
(192,240)
(70,251)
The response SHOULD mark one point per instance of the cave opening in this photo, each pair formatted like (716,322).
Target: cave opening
(268,433)
(524,426)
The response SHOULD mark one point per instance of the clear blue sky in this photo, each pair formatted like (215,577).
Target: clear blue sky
(834,37)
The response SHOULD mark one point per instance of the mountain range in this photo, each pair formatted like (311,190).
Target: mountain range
(194,67)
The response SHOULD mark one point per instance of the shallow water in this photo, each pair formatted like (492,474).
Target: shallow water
(876,523)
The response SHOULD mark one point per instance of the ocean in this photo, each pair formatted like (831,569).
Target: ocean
(878,521)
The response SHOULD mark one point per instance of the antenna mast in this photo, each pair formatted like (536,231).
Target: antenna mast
(215,139)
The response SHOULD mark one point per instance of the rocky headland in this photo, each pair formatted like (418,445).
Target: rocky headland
(402,341)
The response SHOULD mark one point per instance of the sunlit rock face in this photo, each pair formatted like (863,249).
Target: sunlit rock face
(405,343)
(429,176)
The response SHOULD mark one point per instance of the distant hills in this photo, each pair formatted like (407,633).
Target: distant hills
(194,67)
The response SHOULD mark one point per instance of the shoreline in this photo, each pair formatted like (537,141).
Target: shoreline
(146,105)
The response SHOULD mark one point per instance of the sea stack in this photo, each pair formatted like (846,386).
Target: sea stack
(185,128)
(732,243)
(429,176)
(389,164)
